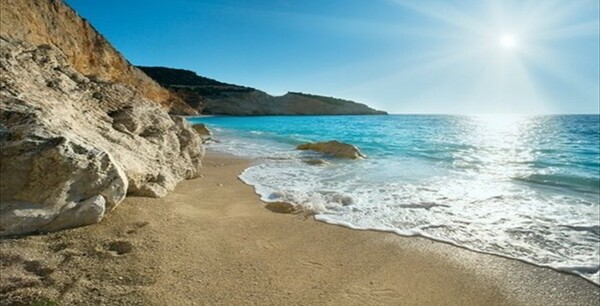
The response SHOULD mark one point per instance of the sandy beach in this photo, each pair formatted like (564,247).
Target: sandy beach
(212,242)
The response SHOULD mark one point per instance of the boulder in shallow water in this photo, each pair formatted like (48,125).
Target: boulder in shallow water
(333,147)
(201,129)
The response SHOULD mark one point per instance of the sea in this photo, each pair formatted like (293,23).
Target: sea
(522,187)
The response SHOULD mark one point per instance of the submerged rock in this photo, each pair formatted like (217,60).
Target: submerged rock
(315,162)
(333,147)
(281,207)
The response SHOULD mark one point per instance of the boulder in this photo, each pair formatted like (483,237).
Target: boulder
(333,147)
(73,146)
(49,184)
(201,129)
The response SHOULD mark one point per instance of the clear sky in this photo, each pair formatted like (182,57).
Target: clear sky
(402,56)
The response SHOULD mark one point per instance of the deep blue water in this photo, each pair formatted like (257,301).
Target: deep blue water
(525,187)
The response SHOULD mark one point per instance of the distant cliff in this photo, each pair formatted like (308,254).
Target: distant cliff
(213,97)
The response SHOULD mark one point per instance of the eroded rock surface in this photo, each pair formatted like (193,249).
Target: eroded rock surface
(73,146)
(45,22)
(333,147)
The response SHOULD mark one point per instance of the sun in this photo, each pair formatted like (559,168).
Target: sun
(508,41)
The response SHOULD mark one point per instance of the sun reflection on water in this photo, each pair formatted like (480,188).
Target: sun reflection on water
(494,150)
(501,143)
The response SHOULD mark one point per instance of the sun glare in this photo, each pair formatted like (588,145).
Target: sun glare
(499,56)
(508,41)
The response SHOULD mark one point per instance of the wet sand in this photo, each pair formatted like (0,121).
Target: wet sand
(212,242)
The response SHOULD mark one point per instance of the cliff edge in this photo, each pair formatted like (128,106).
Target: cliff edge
(52,22)
(80,128)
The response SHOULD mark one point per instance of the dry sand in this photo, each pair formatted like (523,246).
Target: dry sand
(213,242)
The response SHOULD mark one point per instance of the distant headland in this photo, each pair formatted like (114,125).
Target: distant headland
(209,96)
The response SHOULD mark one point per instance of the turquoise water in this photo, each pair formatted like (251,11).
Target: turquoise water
(524,187)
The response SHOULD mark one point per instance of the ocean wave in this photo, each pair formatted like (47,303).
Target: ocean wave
(442,210)
(577,183)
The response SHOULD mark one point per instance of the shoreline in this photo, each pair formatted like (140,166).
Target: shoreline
(447,242)
(211,241)
(572,270)
(451,244)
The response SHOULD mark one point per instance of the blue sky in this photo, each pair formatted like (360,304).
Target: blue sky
(403,56)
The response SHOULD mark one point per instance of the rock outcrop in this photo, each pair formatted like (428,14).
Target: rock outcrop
(74,143)
(333,147)
(213,97)
(52,22)
(201,129)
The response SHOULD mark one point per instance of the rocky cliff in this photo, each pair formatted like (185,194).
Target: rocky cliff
(213,97)
(80,128)
(52,22)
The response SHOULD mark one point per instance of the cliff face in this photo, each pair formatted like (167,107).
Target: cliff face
(76,133)
(52,22)
(213,97)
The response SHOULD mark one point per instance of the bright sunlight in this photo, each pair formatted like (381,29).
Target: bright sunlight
(508,41)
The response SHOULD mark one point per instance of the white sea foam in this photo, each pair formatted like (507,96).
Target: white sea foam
(452,211)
